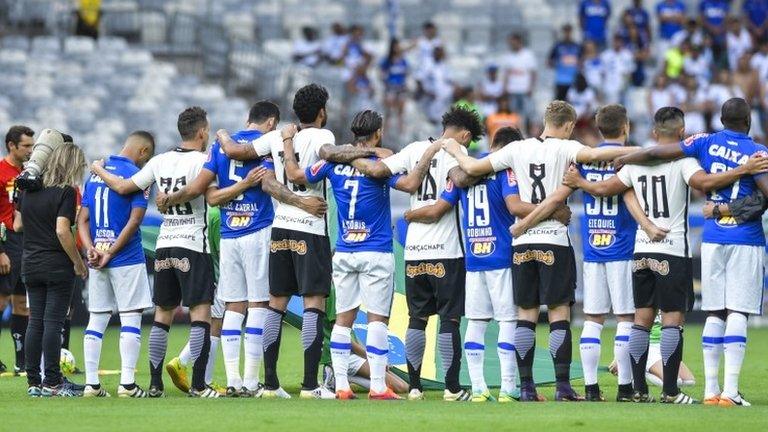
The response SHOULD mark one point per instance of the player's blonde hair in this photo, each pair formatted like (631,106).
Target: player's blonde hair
(558,113)
(65,167)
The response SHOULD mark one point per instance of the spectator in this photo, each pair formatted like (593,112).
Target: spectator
(425,50)
(359,88)
(395,70)
(583,99)
(760,61)
(671,16)
(738,42)
(592,66)
(438,86)
(756,12)
(491,88)
(637,42)
(692,33)
(593,17)
(88,18)
(51,263)
(617,65)
(333,47)
(696,65)
(713,18)
(640,18)
(674,60)
(719,92)
(355,52)
(746,78)
(661,95)
(519,75)
(564,58)
(693,106)
(502,118)
(307,51)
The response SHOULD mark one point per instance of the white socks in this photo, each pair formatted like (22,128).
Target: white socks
(341,346)
(185,356)
(211,365)
(474,350)
(231,335)
(254,346)
(97,324)
(621,352)
(507,359)
(589,346)
(377,350)
(712,345)
(734,347)
(130,345)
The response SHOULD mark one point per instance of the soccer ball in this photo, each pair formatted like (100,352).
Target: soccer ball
(67,362)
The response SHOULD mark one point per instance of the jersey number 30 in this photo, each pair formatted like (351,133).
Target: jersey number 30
(604,206)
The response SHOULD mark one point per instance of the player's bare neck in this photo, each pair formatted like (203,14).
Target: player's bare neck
(13,161)
(317,124)
(554,133)
(662,140)
(191,145)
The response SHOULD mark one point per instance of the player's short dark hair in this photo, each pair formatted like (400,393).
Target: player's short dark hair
(611,120)
(146,136)
(668,121)
(558,113)
(463,118)
(736,114)
(308,102)
(14,134)
(506,135)
(262,111)
(365,124)
(190,121)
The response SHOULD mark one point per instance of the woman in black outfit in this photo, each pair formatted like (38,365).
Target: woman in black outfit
(50,264)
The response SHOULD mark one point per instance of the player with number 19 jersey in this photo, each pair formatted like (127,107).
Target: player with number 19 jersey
(730,251)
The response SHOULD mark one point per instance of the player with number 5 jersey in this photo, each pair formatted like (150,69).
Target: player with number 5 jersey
(108,226)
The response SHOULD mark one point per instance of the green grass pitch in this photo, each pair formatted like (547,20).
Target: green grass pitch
(177,412)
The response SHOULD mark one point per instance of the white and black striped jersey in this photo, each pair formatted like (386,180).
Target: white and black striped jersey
(184,225)
(664,194)
(306,144)
(539,166)
(439,240)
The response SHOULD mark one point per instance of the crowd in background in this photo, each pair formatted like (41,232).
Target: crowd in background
(693,59)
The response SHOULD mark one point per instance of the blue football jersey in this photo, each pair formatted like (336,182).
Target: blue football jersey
(720,152)
(251,211)
(607,228)
(486,220)
(109,212)
(362,204)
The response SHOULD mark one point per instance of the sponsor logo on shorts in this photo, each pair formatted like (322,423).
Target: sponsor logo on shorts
(297,246)
(181,264)
(544,257)
(602,240)
(727,222)
(238,221)
(436,270)
(654,265)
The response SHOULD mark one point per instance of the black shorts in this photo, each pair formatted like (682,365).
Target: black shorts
(299,264)
(435,287)
(12,283)
(183,276)
(663,282)
(543,274)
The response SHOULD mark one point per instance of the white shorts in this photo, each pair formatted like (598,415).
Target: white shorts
(608,286)
(364,278)
(355,363)
(654,355)
(489,295)
(732,278)
(123,288)
(244,268)
(218,308)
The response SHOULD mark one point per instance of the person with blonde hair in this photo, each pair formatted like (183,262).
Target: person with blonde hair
(50,264)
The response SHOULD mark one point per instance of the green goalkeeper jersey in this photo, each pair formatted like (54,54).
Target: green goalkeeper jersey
(656,330)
